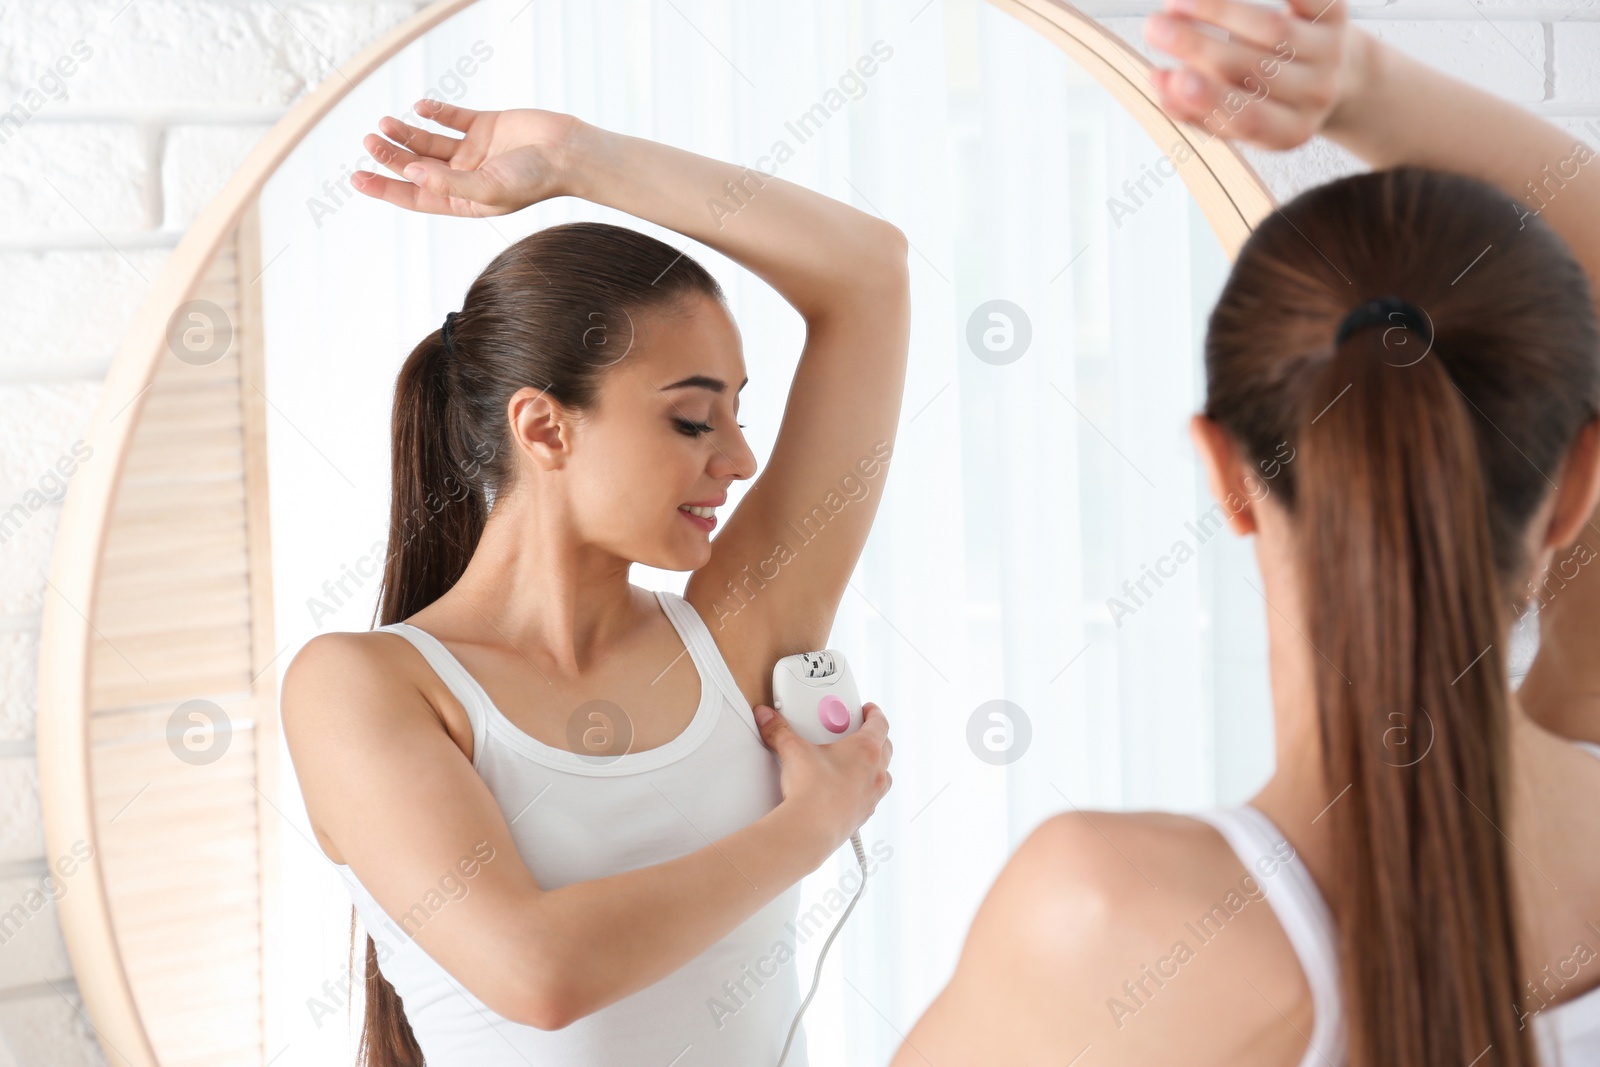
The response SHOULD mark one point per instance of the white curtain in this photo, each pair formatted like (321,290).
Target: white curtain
(1030,488)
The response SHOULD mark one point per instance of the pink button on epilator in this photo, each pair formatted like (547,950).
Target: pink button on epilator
(834,715)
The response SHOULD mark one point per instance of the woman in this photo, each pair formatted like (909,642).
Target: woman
(1418,884)
(545,787)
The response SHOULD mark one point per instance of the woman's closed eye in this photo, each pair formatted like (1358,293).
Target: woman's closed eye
(695,429)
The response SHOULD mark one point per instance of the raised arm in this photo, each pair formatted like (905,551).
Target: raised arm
(1399,111)
(391,794)
(1389,110)
(843,270)
(1373,99)
(845,273)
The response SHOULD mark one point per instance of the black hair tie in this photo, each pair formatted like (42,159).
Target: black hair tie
(444,331)
(1390,311)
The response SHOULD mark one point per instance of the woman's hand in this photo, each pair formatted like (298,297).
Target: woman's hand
(506,161)
(1276,81)
(835,787)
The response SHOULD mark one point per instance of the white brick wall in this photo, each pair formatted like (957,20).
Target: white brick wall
(156,53)
(126,119)
(136,112)
(21,832)
(65,307)
(1576,44)
(196,162)
(48,170)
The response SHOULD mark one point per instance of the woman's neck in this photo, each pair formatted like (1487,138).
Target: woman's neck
(1298,797)
(533,585)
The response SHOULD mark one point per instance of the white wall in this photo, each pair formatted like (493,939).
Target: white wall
(99,184)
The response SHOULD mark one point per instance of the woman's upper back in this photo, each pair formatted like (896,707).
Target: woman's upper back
(1233,886)
(1566,1026)
(1151,937)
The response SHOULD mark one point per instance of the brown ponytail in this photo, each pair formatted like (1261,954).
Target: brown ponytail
(1419,465)
(553,311)
(1404,598)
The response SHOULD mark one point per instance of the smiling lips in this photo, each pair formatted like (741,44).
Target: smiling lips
(702,515)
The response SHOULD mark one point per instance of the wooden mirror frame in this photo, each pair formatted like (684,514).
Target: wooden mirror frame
(1224,185)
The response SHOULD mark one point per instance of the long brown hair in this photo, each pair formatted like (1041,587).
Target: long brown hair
(1418,468)
(553,311)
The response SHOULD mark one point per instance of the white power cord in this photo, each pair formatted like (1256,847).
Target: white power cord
(861,858)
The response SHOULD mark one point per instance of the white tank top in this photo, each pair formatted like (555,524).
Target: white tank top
(575,818)
(1567,1035)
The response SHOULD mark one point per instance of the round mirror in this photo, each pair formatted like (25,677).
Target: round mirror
(1045,536)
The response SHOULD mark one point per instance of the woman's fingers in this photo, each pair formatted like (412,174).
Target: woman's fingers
(1243,63)
(1327,13)
(1293,78)
(457,118)
(1225,110)
(391,156)
(437,177)
(437,190)
(1265,26)
(442,180)
(873,718)
(1272,76)
(422,142)
(399,193)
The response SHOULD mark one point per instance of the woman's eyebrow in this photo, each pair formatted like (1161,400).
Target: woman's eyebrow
(703,381)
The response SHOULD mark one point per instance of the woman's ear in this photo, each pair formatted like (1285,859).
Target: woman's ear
(1225,473)
(537,426)
(1577,488)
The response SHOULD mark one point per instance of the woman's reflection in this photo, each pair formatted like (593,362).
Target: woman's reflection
(584,757)
(1424,861)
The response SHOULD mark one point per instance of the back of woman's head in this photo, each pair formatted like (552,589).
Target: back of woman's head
(552,312)
(1418,463)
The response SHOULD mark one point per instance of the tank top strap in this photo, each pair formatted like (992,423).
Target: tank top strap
(1591,747)
(1303,914)
(462,685)
(707,656)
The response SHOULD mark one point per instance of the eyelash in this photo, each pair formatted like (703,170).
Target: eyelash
(695,429)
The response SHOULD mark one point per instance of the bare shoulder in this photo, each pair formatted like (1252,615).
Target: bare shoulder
(338,675)
(350,699)
(1096,881)
(1101,931)
(332,666)
(333,649)
(1103,848)
(316,670)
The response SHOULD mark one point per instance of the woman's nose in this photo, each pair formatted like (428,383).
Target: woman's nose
(738,460)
